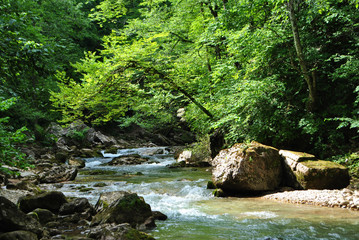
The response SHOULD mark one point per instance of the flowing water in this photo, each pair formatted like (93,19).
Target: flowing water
(193,213)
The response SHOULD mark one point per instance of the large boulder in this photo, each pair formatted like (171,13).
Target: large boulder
(304,171)
(127,208)
(57,174)
(50,200)
(246,168)
(12,219)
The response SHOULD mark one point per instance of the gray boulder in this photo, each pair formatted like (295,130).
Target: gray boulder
(50,200)
(12,219)
(247,168)
(304,171)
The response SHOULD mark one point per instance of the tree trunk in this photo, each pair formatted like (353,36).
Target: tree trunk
(309,78)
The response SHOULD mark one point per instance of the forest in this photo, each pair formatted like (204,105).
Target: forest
(280,72)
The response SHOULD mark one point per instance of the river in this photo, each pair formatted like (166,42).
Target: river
(193,213)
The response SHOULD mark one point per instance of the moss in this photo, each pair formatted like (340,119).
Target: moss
(133,234)
(219,193)
(320,164)
(211,185)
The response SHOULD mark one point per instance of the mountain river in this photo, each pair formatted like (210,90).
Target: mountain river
(193,213)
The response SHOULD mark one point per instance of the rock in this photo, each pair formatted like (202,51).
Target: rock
(210,185)
(23,184)
(190,160)
(129,208)
(185,156)
(159,216)
(219,193)
(131,159)
(247,167)
(117,232)
(18,235)
(58,174)
(12,219)
(3,180)
(303,171)
(78,205)
(98,138)
(61,156)
(50,200)
(107,198)
(43,215)
(76,162)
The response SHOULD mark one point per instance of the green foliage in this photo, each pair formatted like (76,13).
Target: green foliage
(231,64)
(350,160)
(77,135)
(10,139)
(201,149)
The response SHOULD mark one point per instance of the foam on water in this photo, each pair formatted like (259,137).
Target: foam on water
(261,214)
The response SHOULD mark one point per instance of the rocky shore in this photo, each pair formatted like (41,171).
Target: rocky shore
(344,198)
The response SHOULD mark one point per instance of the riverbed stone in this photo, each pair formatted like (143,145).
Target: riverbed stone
(247,167)
(43,215)
(113,231)
(128,208)
(78,205)
(13,219)
(131,159)
(57,174)
(50,200)
(77,162)
(304,171)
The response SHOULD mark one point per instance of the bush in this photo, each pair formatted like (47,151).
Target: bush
(10,154)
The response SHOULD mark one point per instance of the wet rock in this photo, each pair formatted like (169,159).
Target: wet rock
(76,162)
(18,235)
(12,219)
(132,159)
(304,171)
(58,174)
(247,167)
(159,216)
(117,231)
(43,215)
(51,201)
(78,205)
(128,208)
(100,184)
(210,185)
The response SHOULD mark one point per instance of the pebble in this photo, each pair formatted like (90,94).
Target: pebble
(344,198)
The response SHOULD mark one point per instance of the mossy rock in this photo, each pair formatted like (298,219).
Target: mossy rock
(134,234)
(128,208)
(321,174)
